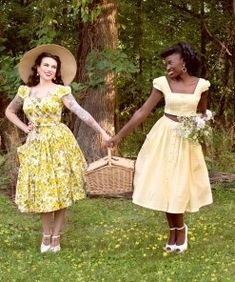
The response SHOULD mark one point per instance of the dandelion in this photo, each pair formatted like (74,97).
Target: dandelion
(165,254)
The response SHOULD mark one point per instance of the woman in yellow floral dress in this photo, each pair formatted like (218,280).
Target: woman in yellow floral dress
(52,166)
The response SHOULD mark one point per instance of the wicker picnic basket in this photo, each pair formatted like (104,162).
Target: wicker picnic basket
(110,176)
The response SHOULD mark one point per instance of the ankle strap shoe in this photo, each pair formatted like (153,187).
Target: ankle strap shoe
(182,248)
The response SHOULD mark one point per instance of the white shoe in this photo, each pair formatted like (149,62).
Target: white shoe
(182,248)
(56,248)
(170,248)
(45,248)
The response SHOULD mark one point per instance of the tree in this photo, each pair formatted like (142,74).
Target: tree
(97,35)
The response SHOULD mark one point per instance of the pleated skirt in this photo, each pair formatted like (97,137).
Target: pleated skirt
(171,173)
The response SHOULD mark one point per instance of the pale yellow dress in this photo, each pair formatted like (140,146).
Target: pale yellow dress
(171,174)
(52,166)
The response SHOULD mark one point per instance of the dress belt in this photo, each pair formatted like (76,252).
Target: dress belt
(172,117)
(45,125)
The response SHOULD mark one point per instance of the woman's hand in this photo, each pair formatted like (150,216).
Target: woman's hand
(105,136)
(113,141)
(28,128)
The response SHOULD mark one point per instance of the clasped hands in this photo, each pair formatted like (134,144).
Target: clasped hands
(111,141)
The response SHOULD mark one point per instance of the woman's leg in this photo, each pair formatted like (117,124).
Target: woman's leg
(59,218)
(178,220)
(172,236)
(46,227)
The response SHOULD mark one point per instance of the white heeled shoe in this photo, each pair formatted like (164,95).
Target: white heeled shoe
(56,248)
(45,248)
(182,248)
(170,248)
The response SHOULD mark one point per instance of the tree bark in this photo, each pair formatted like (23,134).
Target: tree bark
(10,135)
(223,99)
(10,138)
(100,103)
(139,46)
(203,41)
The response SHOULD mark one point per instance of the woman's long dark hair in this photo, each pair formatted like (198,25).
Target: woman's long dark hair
(186,51)
(34,79)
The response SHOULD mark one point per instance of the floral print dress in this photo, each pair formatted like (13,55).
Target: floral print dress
(52,166)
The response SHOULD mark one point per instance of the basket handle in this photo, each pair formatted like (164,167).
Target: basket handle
(109,156)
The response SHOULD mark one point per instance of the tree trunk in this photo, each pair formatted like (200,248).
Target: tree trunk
(223,99)
(10,138)
(10,135)
(100,103)
(139,47)
(203,41)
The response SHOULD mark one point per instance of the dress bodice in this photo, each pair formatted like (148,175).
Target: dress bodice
(46,110)
(180,104)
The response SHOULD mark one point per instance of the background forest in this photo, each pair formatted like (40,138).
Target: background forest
(117,46)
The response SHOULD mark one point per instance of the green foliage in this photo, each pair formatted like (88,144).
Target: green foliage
(4,179)
(86,9)
(9,77)
(32,23)
(114,240)
(222,152)
(147,27)
(99,63)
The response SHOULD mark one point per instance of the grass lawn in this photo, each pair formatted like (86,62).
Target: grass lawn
(114,240)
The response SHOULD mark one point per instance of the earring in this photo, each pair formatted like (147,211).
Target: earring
(37,74)
(184,69)
(54,79)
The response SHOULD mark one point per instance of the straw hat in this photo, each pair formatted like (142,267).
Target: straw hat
(68,62)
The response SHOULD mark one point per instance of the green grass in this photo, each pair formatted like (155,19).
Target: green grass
(114,240)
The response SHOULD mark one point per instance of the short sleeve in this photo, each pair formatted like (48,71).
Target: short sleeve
(157,83)
(63,90)
(205,85)
(23,91)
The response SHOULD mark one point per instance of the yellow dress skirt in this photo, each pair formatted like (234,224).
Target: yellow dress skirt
(51,173)
(170,174)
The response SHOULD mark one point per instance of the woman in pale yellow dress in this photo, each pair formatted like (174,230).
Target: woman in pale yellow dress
(171,174)
(52,166)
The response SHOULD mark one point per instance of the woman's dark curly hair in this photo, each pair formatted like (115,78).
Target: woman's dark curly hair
(187,53)
(34,78)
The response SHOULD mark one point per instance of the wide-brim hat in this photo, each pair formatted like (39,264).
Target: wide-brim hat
(68,62)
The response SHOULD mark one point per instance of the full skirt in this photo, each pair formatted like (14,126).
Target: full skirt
(51,173)
(170,173)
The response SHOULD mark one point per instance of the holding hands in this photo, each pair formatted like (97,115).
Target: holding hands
(113,141)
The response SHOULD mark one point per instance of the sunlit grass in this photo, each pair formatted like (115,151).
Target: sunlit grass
(114,240)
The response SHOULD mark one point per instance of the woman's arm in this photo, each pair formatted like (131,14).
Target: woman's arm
(202,105)
(70,102)
(138,117)
(15,105)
